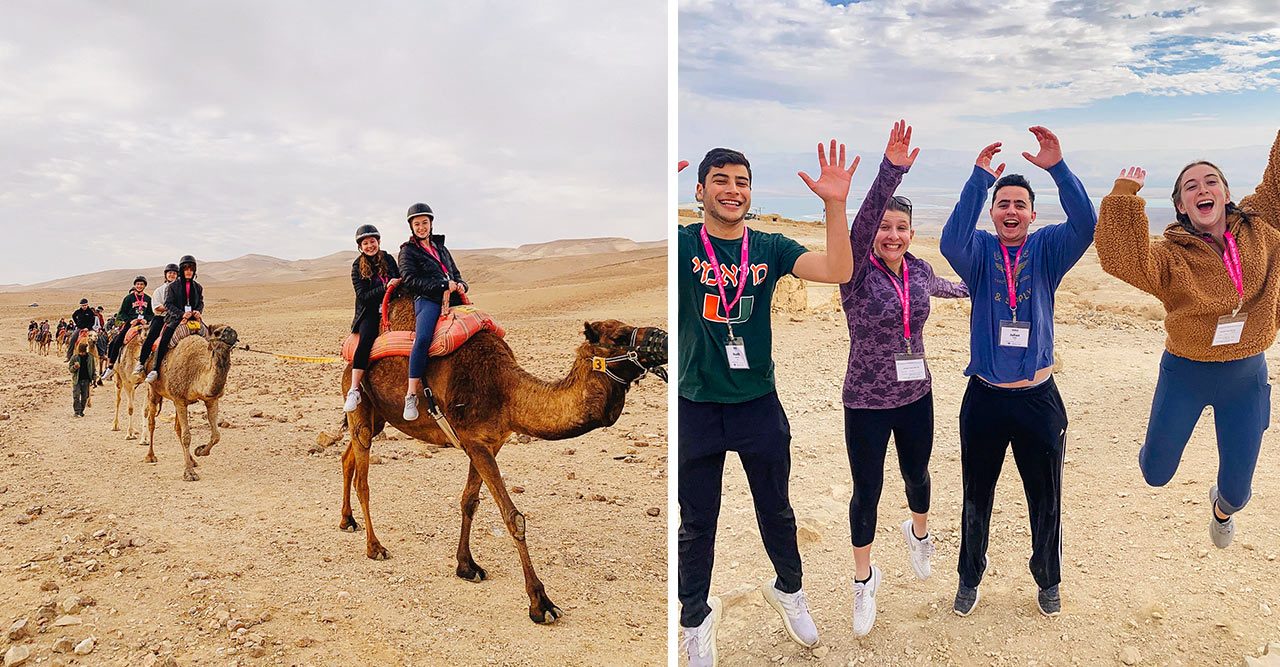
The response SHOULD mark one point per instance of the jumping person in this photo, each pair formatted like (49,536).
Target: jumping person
(370,273)
(727,396)
(1011,398)
(184,300)
(887,387)
(135,308)
(1217,273)
(427,270)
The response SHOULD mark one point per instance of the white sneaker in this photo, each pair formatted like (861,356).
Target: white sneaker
(864,603)
(353,399)
(794,610)
(106,375)
(700,643)
(410,407)
(920,551)
(151,377)
(137,370)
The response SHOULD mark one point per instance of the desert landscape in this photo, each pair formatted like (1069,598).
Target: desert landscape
(106,560)
(1142,583)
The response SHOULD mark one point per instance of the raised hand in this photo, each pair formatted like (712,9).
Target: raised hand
(1136,174)
(1050,151)
(833,179)
(899,149)
(984,159)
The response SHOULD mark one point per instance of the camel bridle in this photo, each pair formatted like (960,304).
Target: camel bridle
(644,356)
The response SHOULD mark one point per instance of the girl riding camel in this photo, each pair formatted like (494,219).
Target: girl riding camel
(184,301)
(370,273)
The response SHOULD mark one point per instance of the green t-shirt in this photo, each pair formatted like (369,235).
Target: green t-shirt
(705,375)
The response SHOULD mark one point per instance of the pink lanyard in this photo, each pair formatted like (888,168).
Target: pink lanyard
(138,301)
(1235,268)
(715,266)
(188,283)
(1009,277)
(432,251)
(904,296)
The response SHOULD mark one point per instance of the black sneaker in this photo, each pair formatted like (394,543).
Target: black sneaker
(1048,600)
(966,599)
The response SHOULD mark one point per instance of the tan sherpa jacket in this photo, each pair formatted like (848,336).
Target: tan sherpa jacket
(1187,273)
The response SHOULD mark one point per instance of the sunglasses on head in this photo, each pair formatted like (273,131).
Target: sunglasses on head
(903,202)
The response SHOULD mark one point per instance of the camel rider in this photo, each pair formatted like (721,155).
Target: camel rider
(183,301)
(370,273)
(33,326)
(83,317)
(99,323)
(134,309)
(427,270)
(157,304)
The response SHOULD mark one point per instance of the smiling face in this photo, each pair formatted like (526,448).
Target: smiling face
(726,195)
(893,237)
(1202,195)
(421,226)
(1012,214)
(369,245)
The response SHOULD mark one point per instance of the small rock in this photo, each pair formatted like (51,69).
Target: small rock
(303,642)
(653,511)
(821,651)
(375,459)
(255,413)
(63,645)
(736,596)
(64,621)
(1129,655)
(20,629)
(517,489)
(16,655)
(71,605)
(49,585)
(1264,609)
(86,647)
(46,612)
(257,652)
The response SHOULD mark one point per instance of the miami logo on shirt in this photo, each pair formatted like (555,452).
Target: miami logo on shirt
(711,309)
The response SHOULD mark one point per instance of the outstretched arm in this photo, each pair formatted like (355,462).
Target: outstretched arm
(1123,244)
(1067,241)
(958,243)
(898,158)
(1266,199)
(836,264)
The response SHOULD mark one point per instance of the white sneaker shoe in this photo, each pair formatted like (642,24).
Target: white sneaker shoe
(700,643)
(410,407)
(137,370)
(794,610)
(106,375)
(353,399)
(920,551)
(151,377)
(864,603)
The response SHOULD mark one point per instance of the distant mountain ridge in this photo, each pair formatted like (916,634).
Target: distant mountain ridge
(256,268)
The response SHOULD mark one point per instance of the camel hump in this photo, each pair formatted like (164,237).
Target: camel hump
(452,330)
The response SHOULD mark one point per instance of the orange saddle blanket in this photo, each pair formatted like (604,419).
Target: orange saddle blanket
(452,330)
(182,331)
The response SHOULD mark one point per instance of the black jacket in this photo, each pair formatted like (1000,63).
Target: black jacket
(129,311)
(84,318)
(369,291)
(176,301)
(421,274)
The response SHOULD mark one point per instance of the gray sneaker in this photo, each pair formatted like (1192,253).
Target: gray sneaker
(151,377)
(1220,531)
(1049,602)
(410,407)
(700,643)
(966,600)
(794,610)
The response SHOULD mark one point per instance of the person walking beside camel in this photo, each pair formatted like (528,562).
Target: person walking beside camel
(428,271)
(728,400)
(370,273)
(81,364)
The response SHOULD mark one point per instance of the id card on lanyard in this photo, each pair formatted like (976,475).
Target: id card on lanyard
(735,349)
(909,366)
(1012,332)
(1230,327)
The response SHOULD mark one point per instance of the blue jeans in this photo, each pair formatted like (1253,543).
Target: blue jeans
(428,313)
(1241,400)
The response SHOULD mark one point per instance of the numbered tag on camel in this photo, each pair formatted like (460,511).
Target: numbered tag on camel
(737,353)
(1229,329)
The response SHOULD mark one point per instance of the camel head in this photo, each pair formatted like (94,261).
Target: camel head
(626,353)
(222,333)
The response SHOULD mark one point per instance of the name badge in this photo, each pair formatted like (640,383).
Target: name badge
(1229,329)
(737,353)
(187,309)
(1014,334)
(910,367)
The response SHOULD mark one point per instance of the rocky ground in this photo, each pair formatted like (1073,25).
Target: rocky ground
(107,560)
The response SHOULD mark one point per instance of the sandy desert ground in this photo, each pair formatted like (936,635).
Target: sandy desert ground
(159,570)
(1140,577)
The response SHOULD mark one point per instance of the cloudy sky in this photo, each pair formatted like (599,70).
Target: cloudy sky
(1149,82)
(132,132)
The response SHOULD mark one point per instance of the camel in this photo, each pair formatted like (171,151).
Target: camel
(126,380)
(31,338)
(43,338)
(62,339)
(486,396)
(195,370)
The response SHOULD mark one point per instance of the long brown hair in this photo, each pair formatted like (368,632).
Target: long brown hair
(368,267)
(1183,218)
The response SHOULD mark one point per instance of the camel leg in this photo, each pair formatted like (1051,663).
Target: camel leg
(361,441)
(132,391)
(541,608)
(211,413)
(115,426)
(467,568)
(182,425)
(347,522)
(152,408)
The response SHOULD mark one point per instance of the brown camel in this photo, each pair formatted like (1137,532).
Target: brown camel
(126,380)
(63,339)
(195,370)
(43,338)
(486,396)
(31,338)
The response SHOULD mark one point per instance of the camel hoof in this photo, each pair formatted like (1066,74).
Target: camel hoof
(474,573)
(547,616)
(150,459)
(348,524)
(115,428)
(191,476)
(376,552)
(131,437)
(203,450)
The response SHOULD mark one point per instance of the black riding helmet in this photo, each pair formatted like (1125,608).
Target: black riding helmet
(170,267)
(417,210)
(365,231)
(140,279)
(182,263)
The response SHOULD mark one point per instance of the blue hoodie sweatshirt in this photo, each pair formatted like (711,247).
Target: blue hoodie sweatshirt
(1047,255)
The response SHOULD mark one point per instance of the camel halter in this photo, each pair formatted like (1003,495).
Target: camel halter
(601,364)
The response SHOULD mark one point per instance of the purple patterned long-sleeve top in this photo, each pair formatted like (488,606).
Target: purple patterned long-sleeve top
(874,311)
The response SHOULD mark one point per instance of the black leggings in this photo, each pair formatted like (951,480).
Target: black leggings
(113,350)
(157,325)
(368,330)
(866,437)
